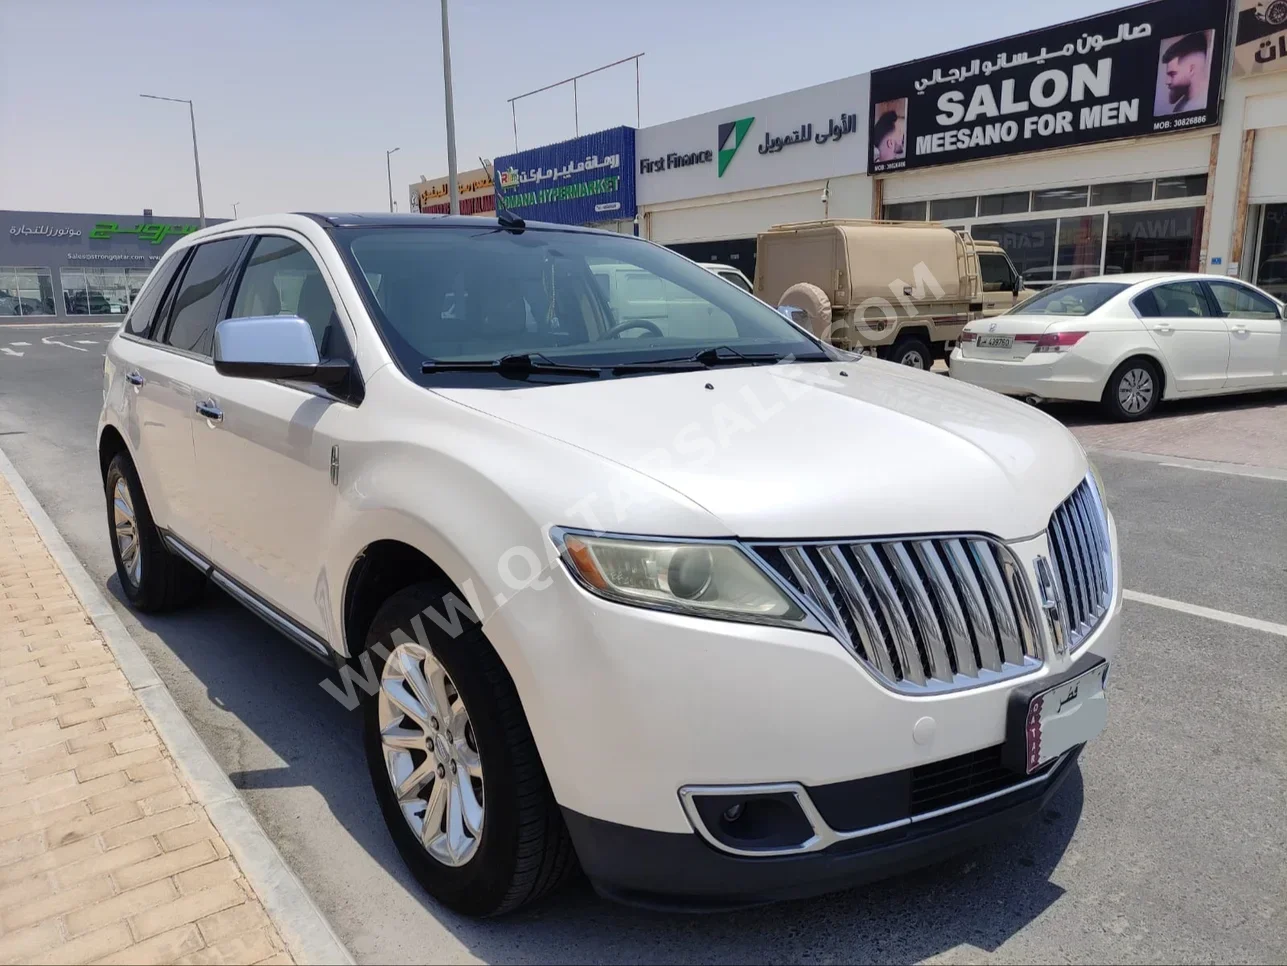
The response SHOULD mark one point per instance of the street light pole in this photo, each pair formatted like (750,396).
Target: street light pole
(196,158)
(388,169)
(452,187)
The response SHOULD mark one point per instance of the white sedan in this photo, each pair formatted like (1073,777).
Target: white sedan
(1130,341)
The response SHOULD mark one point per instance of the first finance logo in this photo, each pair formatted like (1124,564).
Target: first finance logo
(730,139)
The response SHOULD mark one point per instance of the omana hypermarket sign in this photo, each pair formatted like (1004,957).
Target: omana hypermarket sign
(1145,69)
(587,179)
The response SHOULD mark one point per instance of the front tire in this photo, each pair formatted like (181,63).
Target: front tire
(153,578)
(1133,390)
(454,765)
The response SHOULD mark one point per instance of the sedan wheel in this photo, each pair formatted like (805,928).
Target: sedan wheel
(431,754)
(1135,391)
(126,529)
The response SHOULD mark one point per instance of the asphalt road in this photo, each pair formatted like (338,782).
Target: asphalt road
(1168,843)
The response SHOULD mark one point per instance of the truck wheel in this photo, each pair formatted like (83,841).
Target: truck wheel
(1133,390)
(153,578)
(912,351)
(454,764)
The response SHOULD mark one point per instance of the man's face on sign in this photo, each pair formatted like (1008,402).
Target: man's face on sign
(891,145)
(1181,72)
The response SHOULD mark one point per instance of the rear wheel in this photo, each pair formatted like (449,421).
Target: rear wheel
(454,765)
(153,578)
(912,351)
(1133,390)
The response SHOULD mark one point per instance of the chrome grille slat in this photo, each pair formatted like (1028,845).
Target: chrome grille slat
(797,559)
(949,607)
(891,607)
(999,600)
(923,610)
(980,620)
(1083,558)
(864,618)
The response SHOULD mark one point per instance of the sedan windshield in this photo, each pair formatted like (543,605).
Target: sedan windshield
(445,296)
(1077,298)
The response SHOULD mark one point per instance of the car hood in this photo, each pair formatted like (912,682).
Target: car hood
(805,451)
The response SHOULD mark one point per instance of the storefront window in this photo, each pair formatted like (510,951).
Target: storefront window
(1052,199)
(906,211)
(1153,241)
(1271,265)
(94,291)
(1030,245)
(1010,203)
(943,208)
(1080,241)
(1120,193)
(1185,186)
(26,291)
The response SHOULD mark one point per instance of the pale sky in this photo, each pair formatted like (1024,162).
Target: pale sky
(297,100)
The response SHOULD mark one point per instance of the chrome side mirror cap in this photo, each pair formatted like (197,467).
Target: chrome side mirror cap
(272,347)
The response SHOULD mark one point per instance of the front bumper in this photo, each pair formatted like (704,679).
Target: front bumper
(1053,375)
(680,871)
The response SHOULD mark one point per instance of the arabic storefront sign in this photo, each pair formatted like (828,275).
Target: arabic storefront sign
(1149,68)
(155,234)
(1260,37)
(477,194)
(47,232)
(586,179)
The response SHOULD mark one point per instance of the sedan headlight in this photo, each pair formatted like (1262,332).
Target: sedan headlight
(701,579)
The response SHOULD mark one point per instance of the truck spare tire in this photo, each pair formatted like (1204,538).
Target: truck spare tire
(814,306)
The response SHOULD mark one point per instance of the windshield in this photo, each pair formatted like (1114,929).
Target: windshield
(450,294)
(1079,298)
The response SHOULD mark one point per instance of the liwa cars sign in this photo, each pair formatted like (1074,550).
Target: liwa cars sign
(1149,68)
(1260,37)
(589,178)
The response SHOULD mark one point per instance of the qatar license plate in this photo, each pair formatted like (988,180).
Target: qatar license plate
(1067,715)
(996,341)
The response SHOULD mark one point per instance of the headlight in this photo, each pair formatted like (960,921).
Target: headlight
(702,579)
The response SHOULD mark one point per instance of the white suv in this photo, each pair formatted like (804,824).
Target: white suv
(722,614)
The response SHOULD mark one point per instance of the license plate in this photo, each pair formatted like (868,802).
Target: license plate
(1065,716)
(995,341)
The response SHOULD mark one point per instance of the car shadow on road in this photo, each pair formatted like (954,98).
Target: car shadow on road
(1089,414)
(980,898)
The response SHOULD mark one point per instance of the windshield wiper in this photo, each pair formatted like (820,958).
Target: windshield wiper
(515,365)
(720,355)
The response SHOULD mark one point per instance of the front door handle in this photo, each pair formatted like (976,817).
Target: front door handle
(210,411)
(1163,327)
(1239,327)
(134,378)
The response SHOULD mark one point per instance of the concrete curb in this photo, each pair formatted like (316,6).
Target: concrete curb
(303,927)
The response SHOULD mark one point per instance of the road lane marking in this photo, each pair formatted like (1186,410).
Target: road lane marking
(1210,613)
(10,352)
(50,340)
(20,343)
(87,342)
(1205,466)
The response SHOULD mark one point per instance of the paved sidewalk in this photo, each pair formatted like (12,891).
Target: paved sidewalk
(104,855)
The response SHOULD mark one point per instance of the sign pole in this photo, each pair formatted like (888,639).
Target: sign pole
(452,187)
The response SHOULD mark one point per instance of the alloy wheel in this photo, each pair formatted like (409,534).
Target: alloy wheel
(125,525)
(431,754)
(1135,391)
(913,358)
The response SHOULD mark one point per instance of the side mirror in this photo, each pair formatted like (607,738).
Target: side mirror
(272,347)
(1018,285)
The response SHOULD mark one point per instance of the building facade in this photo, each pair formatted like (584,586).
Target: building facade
(56,265)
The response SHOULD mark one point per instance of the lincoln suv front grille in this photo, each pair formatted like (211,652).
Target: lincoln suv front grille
(1083,558)
(928,614)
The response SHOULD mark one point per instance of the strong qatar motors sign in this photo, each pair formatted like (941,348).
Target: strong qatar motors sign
(1146,69)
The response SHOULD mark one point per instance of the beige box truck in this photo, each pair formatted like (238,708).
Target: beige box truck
(902,289)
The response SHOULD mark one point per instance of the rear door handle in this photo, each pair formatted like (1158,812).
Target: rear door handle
(1163,328)
(135,378)
(210,411)
(1239,328)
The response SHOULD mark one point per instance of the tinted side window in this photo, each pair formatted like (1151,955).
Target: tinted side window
(1146,305)
(143,311)
(736,280)
(281,278)
(1240,302)
(996,273)
(1181,300)
(200,294)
